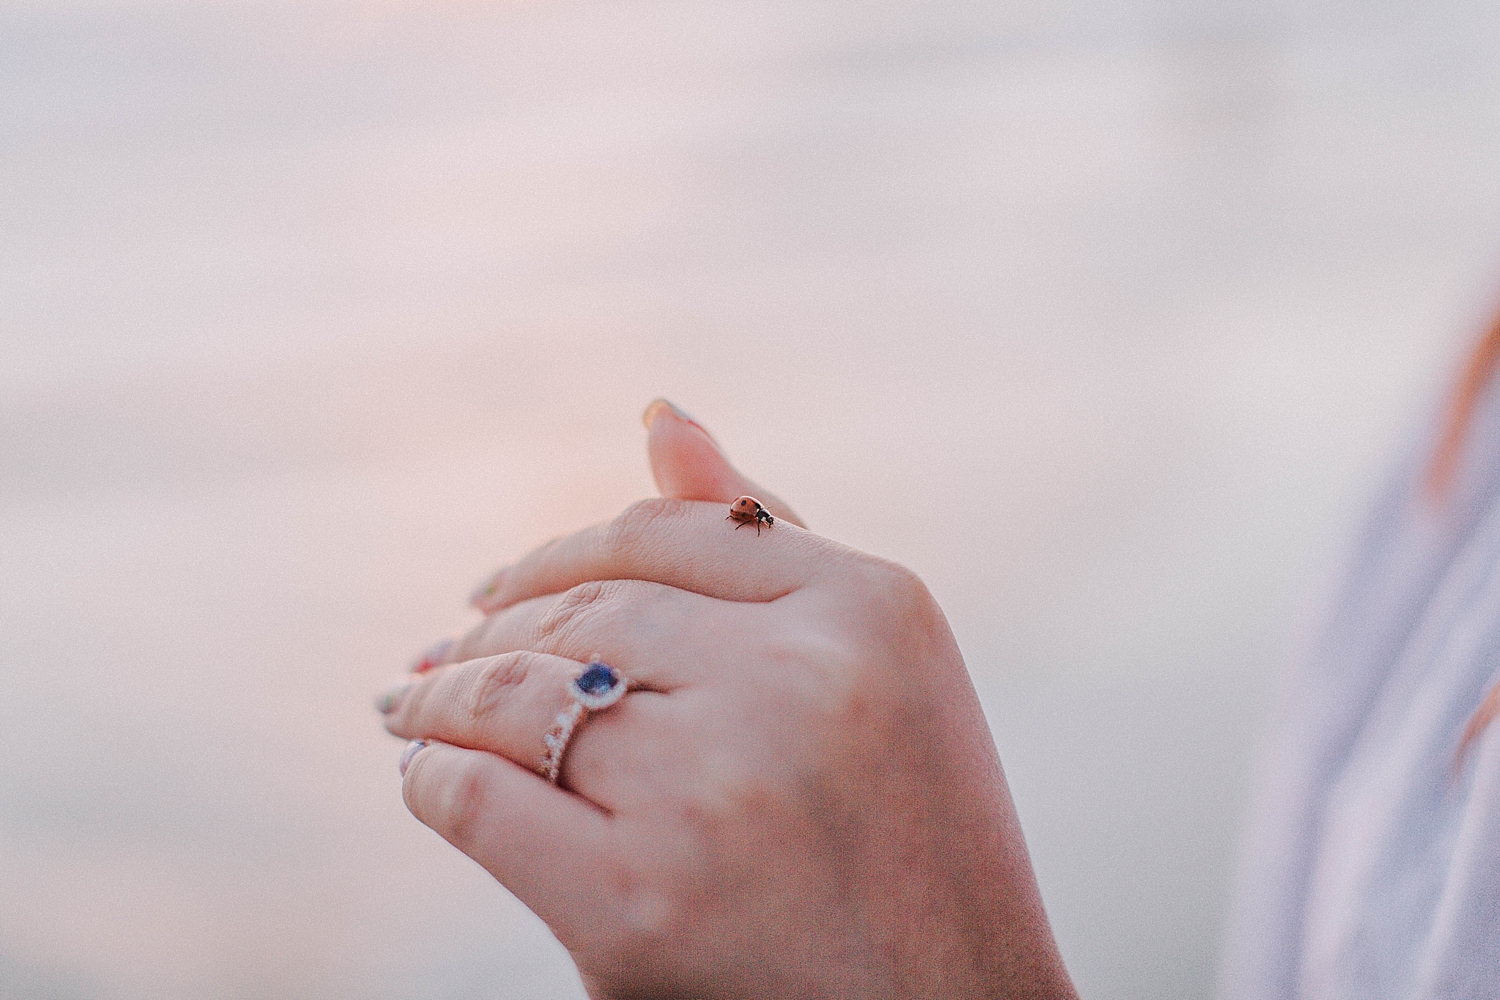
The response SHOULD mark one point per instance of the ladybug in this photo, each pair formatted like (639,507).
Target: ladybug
(747,510)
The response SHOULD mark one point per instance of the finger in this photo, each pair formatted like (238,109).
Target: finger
(659,636)
(542,843)
(435,655)
(682,544)
(506,704)
(689,464)
(502,703)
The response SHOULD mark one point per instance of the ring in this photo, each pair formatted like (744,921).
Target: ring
(598,687)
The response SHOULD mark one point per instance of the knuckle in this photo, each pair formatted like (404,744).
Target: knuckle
(494,686)
(901,584)
(736,793)
(650,915)
(841,695)
(893,592)
(463,804)
(562,617)
(626,532)
(658,900)
(450,794)
(652,920)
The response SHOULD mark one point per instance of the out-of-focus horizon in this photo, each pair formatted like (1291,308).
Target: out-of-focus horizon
(312,314)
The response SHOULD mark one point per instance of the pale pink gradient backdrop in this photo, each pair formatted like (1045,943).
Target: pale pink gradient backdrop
(1101,315)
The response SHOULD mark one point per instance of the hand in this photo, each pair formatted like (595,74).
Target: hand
(800,798)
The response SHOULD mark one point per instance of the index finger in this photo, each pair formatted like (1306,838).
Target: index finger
(681,543)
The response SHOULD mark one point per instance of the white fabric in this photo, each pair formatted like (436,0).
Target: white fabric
(1372,868)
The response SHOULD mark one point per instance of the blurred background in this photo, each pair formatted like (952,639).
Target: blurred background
(312,314)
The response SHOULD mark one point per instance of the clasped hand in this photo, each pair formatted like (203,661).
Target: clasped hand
(798,798)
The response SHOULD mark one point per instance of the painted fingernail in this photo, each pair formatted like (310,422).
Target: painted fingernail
(484,594)
(393,697)
(412,749)
(436,655)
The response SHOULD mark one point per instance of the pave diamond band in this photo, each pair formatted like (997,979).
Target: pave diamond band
(556,740)
(598,687)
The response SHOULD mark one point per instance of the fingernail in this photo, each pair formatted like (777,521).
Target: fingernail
(659,406)
(436,656)
(393,697)
(412,749)
(486,591)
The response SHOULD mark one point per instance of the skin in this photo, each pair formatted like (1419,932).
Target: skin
(799,797)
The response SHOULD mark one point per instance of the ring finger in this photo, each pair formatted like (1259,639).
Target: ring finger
(506,704)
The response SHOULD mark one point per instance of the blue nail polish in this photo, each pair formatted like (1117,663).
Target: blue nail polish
(412,749)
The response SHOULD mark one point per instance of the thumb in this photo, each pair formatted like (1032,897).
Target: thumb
(688,465)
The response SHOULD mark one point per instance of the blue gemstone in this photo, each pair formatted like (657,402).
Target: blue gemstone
(597,679)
